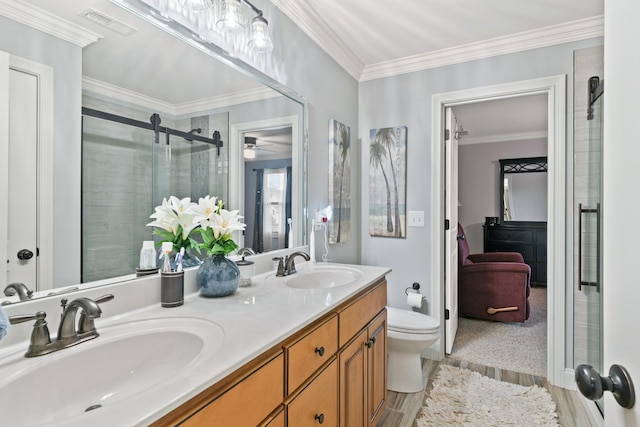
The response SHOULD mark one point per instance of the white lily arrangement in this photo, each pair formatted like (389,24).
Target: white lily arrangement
(176,219)
(216,226)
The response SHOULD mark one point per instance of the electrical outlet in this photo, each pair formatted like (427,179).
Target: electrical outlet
(415,219)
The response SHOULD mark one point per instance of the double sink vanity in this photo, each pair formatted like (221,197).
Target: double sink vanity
(294,350)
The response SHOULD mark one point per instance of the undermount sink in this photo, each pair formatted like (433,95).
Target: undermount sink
(323,276)
(127,363)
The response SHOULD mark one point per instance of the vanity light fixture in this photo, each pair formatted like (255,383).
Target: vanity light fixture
(230,21)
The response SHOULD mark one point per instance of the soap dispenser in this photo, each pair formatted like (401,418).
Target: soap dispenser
(245,267)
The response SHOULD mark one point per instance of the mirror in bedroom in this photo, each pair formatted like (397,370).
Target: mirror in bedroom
(119,118)
(523,189)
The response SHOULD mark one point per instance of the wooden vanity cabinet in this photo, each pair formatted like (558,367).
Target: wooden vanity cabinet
(332,372)
(363,363)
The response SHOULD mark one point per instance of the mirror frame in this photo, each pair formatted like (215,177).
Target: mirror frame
(520,165)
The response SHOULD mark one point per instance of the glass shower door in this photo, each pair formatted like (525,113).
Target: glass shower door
(588,296)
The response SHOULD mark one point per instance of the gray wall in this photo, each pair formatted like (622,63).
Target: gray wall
(406,100)
(66,60)
(479,182)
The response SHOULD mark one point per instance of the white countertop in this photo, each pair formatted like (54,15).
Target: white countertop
(252,320)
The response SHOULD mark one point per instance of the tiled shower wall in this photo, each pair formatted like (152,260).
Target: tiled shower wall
(125,176)
(587,158)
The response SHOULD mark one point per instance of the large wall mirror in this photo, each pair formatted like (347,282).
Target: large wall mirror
(523,189)
(223,124)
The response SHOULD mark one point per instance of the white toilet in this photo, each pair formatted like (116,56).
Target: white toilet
(408,333)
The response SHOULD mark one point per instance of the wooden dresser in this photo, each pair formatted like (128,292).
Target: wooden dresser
(527,238)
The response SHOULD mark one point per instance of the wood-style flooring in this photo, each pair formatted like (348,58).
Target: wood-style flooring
(402,408)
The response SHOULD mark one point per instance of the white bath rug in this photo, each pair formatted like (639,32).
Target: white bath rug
(464,398)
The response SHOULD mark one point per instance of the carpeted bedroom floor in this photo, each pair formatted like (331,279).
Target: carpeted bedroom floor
(513,346)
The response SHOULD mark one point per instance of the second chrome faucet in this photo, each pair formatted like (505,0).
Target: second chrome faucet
(286,265)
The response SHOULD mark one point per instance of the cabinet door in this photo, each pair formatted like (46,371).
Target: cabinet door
(377,368)
(318,402)
(353,383)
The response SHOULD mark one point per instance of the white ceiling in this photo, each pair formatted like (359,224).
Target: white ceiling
(373,39)
(378,31)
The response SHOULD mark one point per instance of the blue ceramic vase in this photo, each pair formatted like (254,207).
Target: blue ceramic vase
(217,276)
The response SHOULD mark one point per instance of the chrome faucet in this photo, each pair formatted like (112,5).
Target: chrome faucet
(289,265)
(21,289)
(68,334)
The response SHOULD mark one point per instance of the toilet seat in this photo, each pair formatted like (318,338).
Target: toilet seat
(410,322)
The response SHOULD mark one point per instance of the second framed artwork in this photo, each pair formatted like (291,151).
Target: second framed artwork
(388,182)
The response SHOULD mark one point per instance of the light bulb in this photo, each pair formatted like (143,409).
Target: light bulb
(231,19)
(260,40)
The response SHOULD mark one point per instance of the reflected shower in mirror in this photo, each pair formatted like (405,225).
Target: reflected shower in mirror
(523,189)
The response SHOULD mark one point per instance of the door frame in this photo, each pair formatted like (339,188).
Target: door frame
(236,168)
(44,75)
(555,88)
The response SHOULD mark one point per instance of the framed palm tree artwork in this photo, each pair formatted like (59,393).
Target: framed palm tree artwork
(339,228)
(388,182)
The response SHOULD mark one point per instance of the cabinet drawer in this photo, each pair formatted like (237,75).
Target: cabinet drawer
(247,403)
(356,316)
(305,356)
(510,235)
(317,402)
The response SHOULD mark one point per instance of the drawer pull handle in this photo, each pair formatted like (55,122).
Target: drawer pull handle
(370,342)
(320,351)
(320,418)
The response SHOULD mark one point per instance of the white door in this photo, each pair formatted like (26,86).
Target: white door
(451,235)
(621,203)
(22,181)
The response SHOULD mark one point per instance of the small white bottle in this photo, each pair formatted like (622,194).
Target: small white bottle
(147,255)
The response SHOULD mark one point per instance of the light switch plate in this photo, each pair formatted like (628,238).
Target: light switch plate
(415,219)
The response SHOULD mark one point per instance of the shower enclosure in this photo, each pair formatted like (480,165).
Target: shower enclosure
(128,167)
(588,288)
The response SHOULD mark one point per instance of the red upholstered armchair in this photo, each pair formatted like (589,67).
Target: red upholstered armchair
(492,285)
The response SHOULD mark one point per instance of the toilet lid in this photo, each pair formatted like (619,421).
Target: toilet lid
(410,321)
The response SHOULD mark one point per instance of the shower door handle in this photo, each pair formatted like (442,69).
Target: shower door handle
(582,211)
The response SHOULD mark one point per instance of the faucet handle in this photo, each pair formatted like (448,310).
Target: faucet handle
(104,298)
(86,322)
(21,318)
(40,336)
(280,270)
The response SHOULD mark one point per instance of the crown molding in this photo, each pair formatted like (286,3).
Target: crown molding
(505,137)
(543,37)
(315,27)
(47,22)
(175,110)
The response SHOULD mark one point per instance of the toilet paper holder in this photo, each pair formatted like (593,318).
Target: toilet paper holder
(415,287)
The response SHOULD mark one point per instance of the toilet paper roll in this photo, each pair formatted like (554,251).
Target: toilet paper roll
(414,299)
